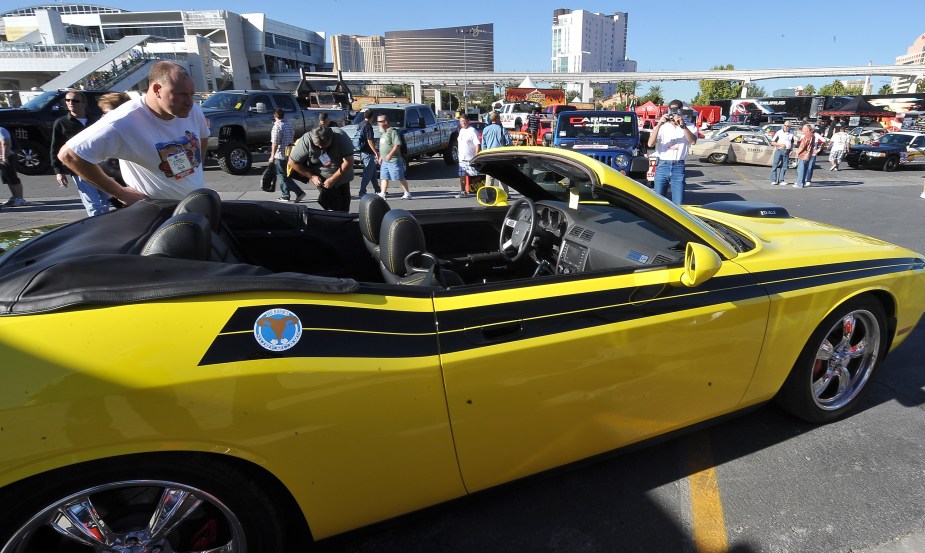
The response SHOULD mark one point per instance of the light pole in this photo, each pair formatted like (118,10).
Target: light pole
(463,32)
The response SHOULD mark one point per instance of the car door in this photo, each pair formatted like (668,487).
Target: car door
(294,114)
(752,149)
(915,152)
(259,124)
(542,372)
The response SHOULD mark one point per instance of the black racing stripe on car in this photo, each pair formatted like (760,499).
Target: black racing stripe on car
(906,263)
(331,316)
(229,348)
(570,319)
(822,280)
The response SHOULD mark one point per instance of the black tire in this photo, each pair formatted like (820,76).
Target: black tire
(792,163)
(451,153)
(891,164)
(853,165)
(32,158)
(717,158)
(234,158)
(236,509)
(518,124)
(812,391)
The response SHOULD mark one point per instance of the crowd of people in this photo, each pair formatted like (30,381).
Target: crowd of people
(113,165)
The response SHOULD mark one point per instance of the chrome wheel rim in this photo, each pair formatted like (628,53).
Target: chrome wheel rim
(845,360)
(239,159)
(139,516)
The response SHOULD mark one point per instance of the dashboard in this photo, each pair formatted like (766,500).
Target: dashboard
(596,237)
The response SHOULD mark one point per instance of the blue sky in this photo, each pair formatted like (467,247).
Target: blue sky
(667,35)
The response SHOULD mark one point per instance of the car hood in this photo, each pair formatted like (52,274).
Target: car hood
(800,241)
(879,148)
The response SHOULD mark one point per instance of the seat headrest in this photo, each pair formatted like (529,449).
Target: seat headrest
(372,209)
(204,201)
(400,235)
(184,236)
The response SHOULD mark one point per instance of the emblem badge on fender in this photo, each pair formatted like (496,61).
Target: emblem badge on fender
(277,329)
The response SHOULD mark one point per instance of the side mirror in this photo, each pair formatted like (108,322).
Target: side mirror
(700,264)
(421,123)
(490,196)
(260,108)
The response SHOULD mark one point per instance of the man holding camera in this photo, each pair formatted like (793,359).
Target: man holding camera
(671,138)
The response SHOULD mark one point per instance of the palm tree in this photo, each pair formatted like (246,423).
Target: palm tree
(885,89)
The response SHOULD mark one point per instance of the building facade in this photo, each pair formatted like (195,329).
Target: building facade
(461,49)
(914,54)
(223,49)
(355,53)
(584,41)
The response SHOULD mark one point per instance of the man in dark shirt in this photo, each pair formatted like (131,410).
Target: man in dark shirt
(95,200)
(324,157)
(368,153)
(533,125)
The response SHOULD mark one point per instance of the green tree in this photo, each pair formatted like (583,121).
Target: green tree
(809,90)
(655,95)
(885,89)
(597,92)
(835,88)
(571,95)
(717,90)
(397,90)
(756,91)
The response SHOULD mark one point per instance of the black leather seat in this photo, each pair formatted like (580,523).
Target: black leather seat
(402,255)
(184,236)
(207,203)
(372,209)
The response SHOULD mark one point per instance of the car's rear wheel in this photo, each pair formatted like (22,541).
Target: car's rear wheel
(791,163)
(853,164)
(717,158)
(836,365)
(32,158)
(891,164)
(138,503)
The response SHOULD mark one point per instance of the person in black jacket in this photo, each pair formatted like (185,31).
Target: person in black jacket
(95,200)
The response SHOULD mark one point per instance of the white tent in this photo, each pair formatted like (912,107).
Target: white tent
(528,83)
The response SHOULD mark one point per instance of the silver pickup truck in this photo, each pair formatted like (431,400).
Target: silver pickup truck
(423,134)
(241,121)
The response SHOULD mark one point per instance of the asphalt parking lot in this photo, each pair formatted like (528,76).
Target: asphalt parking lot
(763,482)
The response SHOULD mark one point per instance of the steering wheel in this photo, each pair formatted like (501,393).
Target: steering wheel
(518,228)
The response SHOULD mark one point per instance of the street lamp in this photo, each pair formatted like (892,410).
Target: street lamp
(464,32)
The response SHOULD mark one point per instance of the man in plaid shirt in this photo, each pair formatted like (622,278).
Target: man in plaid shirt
(281,136)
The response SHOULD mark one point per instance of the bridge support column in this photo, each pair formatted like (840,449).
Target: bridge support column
(416,93)
(745,84)
(916,83)
(438,100)
(587,93)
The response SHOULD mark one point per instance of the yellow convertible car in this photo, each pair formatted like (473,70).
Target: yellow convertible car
(753,148)
(247,376)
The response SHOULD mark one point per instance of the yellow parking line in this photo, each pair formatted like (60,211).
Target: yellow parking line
(709,525)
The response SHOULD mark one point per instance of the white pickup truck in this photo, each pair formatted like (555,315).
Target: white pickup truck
(514,114)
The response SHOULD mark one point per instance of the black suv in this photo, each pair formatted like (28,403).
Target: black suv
(30,126)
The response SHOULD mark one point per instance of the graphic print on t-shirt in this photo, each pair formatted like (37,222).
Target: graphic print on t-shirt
(180,156)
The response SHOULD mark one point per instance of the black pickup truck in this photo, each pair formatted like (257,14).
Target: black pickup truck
(30,126)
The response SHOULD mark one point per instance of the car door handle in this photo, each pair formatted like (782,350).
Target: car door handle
(496,333)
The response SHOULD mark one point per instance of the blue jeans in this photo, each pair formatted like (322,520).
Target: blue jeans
(95,201)
(781,159)
(803,168)
(673,172)
(369,173)
(286,184)
(809,171)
